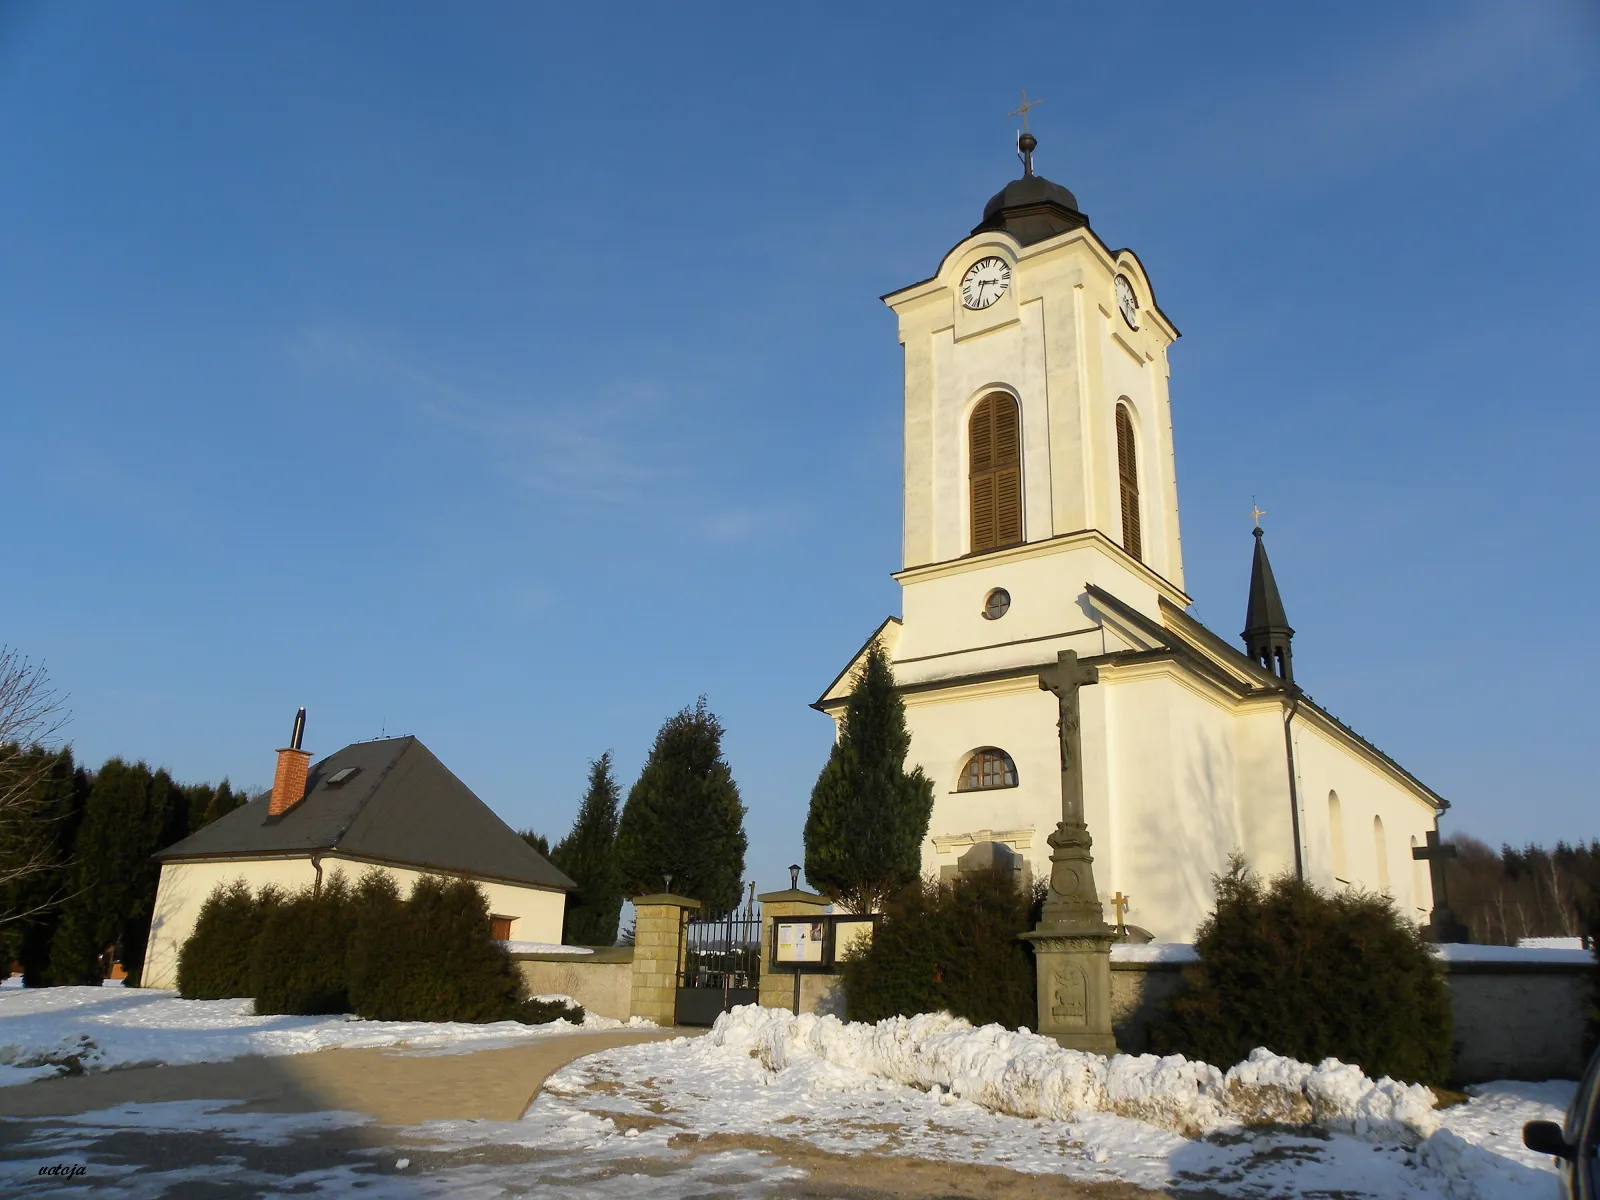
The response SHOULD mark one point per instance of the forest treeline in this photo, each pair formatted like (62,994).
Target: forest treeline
(88,889)
(1506,894)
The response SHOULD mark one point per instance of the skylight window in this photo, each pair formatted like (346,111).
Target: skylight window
(343,776)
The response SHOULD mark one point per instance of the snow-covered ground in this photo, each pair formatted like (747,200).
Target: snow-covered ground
(45,1031)
(845,1089)
(737,1112)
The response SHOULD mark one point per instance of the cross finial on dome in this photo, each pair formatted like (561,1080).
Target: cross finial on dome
(1025,140)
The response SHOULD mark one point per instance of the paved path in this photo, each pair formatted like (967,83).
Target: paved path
(392,1084)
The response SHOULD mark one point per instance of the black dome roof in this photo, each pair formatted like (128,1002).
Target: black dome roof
(1031,208)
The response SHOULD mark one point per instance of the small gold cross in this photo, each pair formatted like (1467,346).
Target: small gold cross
(1022,111)
(1120,902)
(1256,512)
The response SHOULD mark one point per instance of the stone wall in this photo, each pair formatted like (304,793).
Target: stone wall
(1519,1020)
(1516,1016)
(602,982)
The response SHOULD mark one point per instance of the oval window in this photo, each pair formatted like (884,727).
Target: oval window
(996,604)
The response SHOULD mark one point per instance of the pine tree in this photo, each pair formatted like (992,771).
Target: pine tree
(537,840)
(130,814)
(683,817)
(588,855)
(868,815)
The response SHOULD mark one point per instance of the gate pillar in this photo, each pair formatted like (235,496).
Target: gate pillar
(658,948)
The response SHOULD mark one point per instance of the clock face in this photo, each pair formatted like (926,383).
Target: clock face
(1127,302)
(985,282)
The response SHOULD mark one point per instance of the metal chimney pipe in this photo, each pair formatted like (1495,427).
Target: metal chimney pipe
(299,730)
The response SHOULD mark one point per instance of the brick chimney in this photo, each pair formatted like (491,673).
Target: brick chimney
(289,781)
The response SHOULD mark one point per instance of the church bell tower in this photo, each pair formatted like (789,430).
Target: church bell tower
(1037,418)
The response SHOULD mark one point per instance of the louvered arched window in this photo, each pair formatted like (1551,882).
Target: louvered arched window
(987,768)
(1128,479)
(995,480)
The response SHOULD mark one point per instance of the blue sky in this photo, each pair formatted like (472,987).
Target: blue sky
(510,375)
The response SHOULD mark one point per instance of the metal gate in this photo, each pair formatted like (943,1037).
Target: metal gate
(721,964)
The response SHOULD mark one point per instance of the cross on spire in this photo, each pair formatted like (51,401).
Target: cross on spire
(1256,512)
(1022,109)
(1025,140)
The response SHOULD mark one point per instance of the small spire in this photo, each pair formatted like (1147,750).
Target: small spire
(1267,633)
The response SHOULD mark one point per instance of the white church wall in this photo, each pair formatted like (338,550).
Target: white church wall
(1365,792)
(184,886)
(1172,788)
(943,606)
(1013,715)
(1130,379)
(1266,820)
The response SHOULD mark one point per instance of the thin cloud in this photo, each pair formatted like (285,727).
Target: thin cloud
(602,450)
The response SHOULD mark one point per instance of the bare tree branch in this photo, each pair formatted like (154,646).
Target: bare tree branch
(32,716)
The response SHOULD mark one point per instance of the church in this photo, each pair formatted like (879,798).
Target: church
(1041,516)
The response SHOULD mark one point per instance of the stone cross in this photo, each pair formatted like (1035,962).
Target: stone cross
(1442,923)
(1434,854)
(1064,679)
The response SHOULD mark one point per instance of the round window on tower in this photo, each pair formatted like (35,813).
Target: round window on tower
(996,604)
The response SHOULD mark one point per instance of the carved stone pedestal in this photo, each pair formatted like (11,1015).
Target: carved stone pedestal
(1075,987)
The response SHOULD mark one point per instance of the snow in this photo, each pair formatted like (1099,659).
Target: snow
(1461,952)
(1027,1075)
(935,1088)
(666,1118)
(1528,950)
(1551,943)
(45,1031)
(544,948)
(1154,952)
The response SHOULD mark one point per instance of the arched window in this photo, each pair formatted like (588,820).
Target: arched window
(1380,850)
(995,473)
(1128,478)
(987,768)
(1336,833)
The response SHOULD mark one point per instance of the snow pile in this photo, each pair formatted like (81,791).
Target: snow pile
(1026,1075)
(1551,943)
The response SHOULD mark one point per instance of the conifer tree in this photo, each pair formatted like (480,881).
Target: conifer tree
(31,899)
(588,856)
(868,815)
(537,840)
(683,817)
(131,813)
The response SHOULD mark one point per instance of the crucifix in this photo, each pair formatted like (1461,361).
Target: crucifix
(1072,942)
(1442,923)
(1064,679)
(1120,902)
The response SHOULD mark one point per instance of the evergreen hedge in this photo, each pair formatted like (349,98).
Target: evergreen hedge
(214,963)
(1310,975)
(297,963)
(429,957)
(438,961)
(950,946)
